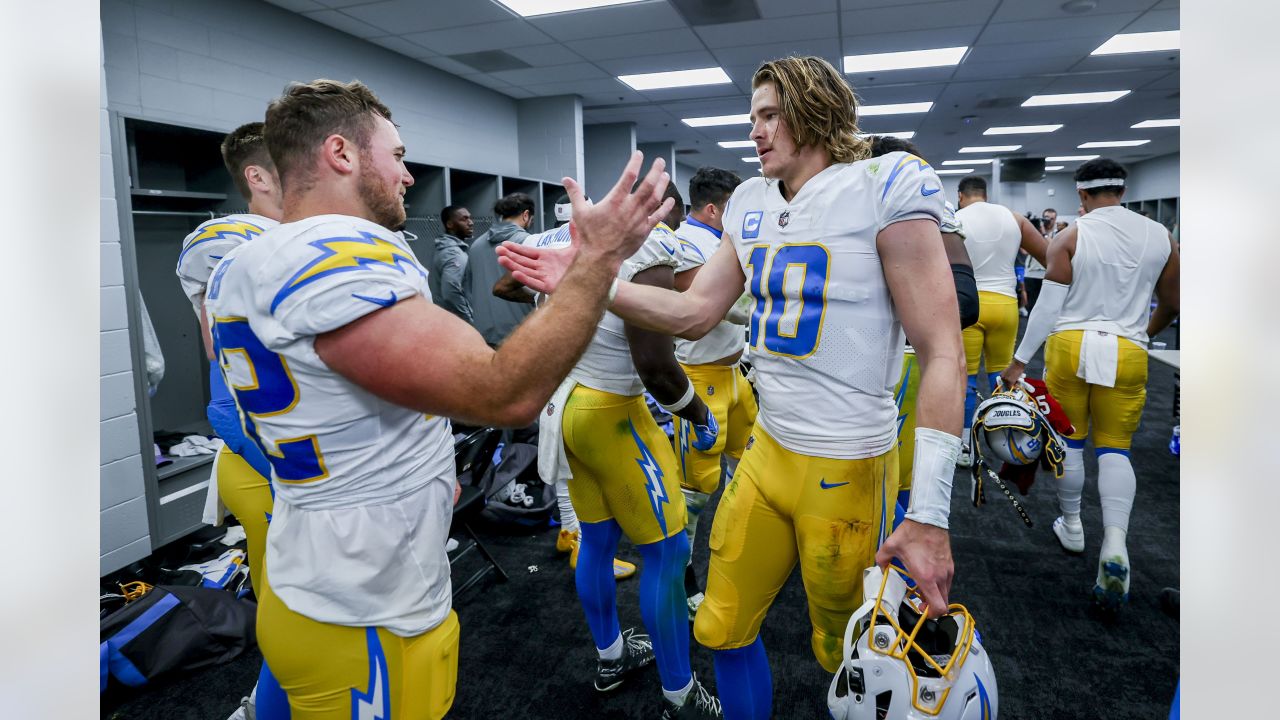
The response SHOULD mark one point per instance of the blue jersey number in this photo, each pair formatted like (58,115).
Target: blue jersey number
(769,287)
(271,392)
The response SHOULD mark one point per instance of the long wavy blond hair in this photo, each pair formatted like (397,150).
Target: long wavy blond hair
(817,104)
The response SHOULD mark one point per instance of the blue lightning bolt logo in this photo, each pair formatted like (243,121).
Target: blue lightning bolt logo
(218,230)
(374,703)
(652,479)
(345,254)
(902,164)
(900,397)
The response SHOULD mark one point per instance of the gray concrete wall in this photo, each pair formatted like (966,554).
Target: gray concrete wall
(551,138)
(1154,179)
(608,147)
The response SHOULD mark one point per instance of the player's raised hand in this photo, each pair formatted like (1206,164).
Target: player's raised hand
(926,552)
(539,269)
(617,226)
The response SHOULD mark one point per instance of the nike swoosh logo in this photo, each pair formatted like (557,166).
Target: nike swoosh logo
(827,486)
(928,191)
(670,250)
(381,302)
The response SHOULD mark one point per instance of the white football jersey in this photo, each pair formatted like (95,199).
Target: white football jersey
(698,243)
(1119,257)
(607,365)
(363,486)
(825,339)
(992,238)
(210,242)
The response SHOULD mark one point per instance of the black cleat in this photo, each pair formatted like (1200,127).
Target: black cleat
(699,703)
(637,652)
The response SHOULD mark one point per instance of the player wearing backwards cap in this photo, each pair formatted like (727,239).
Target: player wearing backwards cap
(711,362)
(568,540)
(343,372)
(624,478)
(841,254)
(1093,308)
(241,475)
(993,236)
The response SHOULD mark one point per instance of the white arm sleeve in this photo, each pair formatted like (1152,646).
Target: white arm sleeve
(1043,318)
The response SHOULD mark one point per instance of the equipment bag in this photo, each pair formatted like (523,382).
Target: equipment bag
(514,493)
(174,628)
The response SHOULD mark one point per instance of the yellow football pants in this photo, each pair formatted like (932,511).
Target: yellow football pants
(728,396)
(905,397)
(248,496)
(335,672)
(1113,412)
(781,508)
(993,336)
(623,466)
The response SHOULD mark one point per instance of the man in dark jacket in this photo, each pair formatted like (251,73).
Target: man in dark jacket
(493,317)
(449,262)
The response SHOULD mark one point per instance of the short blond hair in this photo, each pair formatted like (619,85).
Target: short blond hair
(817,105)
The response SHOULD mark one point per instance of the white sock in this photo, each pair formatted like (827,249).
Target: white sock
(694,501)
(1071,484)
(1117,485)
(614,651)
(568,518)
(678,696)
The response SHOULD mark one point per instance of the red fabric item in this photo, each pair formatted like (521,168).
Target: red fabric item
(1053,412)
(1024,476)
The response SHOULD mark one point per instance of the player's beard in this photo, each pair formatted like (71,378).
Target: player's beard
(385,204)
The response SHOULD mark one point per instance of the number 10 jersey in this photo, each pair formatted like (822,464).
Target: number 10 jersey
(824,336)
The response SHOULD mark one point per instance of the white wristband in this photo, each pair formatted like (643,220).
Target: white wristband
(680,404)
(931,475)
(613,290)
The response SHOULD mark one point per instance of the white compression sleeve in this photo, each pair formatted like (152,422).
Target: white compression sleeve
(1043,318)
(1117,485)
(1071,485)
(931,476)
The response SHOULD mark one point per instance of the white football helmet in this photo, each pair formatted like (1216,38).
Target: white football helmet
(900,666)
(1009,426)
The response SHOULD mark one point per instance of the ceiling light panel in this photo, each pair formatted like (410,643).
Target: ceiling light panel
(894,109)
(1112,143)
(1074,98)
(1051,168)
(751,159)
(736,144)
(955,171)
(1139,42)
(534,8)
(1171,122)
(989,148)
(877,62)
(975,161)
(676,79)
(1070,158)
(1021,129)
(713,120)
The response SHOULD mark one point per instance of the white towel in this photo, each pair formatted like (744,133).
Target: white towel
(1099,356)
(214,510)
(553,464)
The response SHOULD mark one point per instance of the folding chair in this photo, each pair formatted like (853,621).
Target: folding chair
(473,455)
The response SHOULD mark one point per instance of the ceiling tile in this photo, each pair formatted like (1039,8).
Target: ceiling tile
(1058,47)
(298,6)
(543,55)
(915,7)
(657,42)
(1023,10)
(345,23)
(410,16)
(857,44)
(490,36)
(1100,26)
(619,20)
(574,71)
(449,66)
(1155,21)
(549,84)
(658,63)
(787,8)
(488,81)
(764,32)
(402,46)
(924,17)
(752,56)
(901,77)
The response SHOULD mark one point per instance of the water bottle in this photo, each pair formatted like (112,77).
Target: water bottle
(1175,443)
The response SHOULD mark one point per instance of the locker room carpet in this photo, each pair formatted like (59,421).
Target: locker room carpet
(526,653)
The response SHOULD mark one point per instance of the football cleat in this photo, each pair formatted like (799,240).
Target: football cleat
(1111,590)
(1070,536)
(695,602)
(637,652)
(699,703)
(566,541)
(965,458)
(898,664)
(245,711)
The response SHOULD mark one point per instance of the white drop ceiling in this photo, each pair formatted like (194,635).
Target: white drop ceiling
(1018,48)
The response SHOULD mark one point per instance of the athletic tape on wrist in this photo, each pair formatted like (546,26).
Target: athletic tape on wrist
(931,476)
(680,404)
(613,290)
